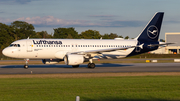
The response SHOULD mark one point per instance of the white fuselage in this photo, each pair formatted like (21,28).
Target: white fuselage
(58,48)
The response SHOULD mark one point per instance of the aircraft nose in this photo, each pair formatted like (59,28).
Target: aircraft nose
(5,52)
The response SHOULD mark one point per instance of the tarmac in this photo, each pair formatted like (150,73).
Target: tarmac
(100,68)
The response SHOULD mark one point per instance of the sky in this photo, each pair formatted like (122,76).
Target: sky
(123,17)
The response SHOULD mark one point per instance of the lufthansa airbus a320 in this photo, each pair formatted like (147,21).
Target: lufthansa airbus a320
(77,51)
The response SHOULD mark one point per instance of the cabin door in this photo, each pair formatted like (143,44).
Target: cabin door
(29,46)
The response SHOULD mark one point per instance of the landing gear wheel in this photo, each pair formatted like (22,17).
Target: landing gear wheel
(26,66)
(75,66)
(91,65)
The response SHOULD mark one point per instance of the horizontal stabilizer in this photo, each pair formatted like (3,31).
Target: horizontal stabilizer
(153,45)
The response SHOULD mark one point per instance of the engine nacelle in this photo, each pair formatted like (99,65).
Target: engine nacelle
(50,61)
(73,59)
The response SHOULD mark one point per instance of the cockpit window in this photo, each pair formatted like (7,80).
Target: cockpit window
(14,45)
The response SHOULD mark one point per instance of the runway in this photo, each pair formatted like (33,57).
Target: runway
(100,68)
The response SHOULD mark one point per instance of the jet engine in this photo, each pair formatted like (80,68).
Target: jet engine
(50,61)
(73,59)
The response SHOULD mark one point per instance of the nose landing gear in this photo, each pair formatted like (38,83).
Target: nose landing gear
(26,65)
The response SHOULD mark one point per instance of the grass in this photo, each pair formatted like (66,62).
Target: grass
(116,88)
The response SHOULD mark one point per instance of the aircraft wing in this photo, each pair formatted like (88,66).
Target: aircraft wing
(99,51)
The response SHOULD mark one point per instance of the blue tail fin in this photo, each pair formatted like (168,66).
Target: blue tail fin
(152,30)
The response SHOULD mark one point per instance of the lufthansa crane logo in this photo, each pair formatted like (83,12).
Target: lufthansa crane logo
(152,32)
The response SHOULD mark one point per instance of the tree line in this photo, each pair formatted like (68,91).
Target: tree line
(22,30)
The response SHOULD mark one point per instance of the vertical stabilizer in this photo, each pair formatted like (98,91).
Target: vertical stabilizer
(152,30)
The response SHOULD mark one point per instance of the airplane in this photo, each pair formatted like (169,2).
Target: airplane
(77,51)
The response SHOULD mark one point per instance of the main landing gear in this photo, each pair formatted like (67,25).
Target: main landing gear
(91,65)
(26,65)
